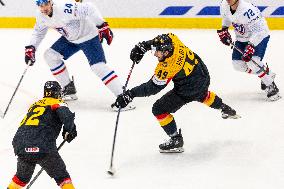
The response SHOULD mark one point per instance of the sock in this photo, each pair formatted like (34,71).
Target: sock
(108,77)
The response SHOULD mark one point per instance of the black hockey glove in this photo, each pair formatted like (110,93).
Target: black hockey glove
(123,99)
(138,52)
(69,135)
(30,54)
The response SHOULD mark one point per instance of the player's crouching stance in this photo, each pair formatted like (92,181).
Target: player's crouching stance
(252,37)
(35,140)
(191,81)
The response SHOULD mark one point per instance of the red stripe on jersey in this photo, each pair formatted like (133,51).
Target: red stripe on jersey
(54,107)
(169,80)
(56,73)
(115,76)
(16,180)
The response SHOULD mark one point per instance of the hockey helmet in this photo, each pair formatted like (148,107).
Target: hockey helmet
(52,89)
(163,43)
(41,2)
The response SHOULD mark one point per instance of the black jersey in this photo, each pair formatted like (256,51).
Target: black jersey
(41,126)
(184,67)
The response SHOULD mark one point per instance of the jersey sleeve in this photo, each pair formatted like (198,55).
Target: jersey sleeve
(147,89)
(225,20)
(39,32)
(66,117)
(89,10)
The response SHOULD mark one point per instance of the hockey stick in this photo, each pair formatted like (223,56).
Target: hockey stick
(111,170)
(41,170)
(2,3)
(240,51)
(6,110)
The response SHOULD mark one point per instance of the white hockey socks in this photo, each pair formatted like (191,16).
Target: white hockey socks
(257,68)
(108,77)
(261,70)
(57,66)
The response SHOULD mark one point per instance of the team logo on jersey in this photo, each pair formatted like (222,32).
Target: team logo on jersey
(239,28)
(32,149)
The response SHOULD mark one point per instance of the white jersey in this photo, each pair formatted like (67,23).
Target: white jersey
(75,21)
(248,23)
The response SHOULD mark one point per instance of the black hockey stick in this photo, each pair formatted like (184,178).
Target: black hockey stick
(6,110)
(111,170)
(2,3)
(240,51)
(41,170)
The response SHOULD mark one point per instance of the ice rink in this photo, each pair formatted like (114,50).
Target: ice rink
(219,154)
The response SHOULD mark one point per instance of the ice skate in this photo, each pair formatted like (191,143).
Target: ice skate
(273,92)
(228,112)
(130,106)
(263,86)
(173,145)
(69,92)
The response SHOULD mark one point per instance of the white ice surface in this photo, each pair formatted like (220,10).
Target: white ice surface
(219,154)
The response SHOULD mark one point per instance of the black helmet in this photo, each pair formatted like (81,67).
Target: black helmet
(163,43)
(52,89)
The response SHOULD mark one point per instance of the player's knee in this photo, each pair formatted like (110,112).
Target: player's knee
(66,184)
(52,56)
(157,109)
(240,65)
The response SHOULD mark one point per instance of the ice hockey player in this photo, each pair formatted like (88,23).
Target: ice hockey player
(82,28)
(35,140)
(252,36)
(191,81)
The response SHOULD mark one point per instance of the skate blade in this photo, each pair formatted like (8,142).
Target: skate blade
(70,97)
(231,117)
(174,150)
(274,98)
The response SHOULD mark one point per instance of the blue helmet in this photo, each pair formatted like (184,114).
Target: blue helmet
(40,2)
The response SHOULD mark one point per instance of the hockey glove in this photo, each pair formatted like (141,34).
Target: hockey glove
(105,32)
(69,135)
(225,36)
(249,51)
(123,99)
(30,54)
(138,52)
